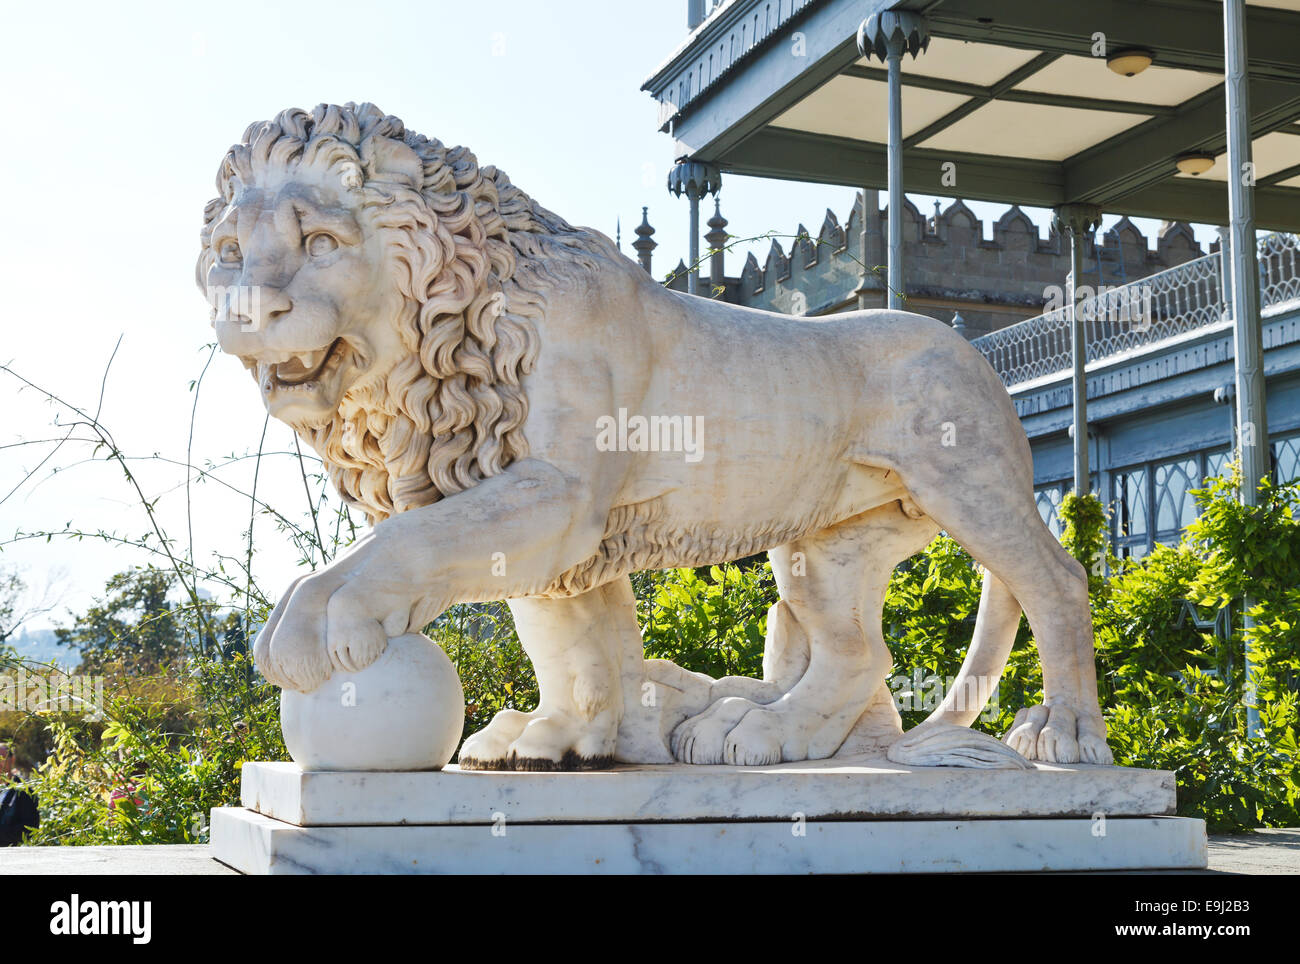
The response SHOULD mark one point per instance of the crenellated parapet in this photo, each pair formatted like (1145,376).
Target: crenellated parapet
(994,275)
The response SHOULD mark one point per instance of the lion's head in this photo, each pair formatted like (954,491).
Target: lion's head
(385,291)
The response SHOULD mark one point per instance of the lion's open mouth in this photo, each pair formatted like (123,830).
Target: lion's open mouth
(307,368)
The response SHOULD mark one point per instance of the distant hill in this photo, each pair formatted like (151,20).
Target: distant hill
(41,646)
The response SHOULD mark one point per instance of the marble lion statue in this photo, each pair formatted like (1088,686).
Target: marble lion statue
(457,355)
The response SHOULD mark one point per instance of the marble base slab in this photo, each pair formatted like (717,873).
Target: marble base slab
(822,789)
(256,844)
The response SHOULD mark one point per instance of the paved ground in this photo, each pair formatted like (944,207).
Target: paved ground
(185,859)
(1264,852)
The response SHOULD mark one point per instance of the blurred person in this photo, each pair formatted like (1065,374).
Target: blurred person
(18,810)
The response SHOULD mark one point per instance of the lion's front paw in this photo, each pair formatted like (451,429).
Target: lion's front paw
(355,639)
(293,660)
(1056,734)
(325,622)
(538,741)
(489,748)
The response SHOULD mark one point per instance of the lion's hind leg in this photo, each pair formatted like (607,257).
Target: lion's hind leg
(991,512)
(832,585)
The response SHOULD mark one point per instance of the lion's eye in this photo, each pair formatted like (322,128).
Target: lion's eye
(229,252)
(321,244)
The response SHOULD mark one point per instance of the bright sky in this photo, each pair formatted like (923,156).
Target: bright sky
(121,114)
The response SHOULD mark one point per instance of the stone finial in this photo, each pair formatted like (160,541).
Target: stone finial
(958,322)
(694,179)
(644,244)
(717,240)
(894,31)
(717,236)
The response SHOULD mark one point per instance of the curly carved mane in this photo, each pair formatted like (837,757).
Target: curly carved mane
(471,259)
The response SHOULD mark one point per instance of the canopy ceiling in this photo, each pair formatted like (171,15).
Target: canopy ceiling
(1009,91)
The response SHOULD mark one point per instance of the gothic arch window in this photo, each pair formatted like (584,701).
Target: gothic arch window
(1286,459)
(1153,503)
(1216,463)
(1130,500)
(1049,501)
(1175,508)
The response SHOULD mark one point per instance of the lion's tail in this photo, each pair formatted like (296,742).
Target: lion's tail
(945,738)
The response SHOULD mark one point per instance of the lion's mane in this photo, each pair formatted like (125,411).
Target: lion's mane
(471,260)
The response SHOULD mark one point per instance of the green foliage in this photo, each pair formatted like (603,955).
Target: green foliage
(1176,695)
(929,621)
(167,751)
(1247,550)
(1083,533)
(710,621)
(136,626)
(176,722)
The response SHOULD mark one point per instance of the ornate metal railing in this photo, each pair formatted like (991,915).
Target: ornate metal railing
(1118,320)
(1279,276)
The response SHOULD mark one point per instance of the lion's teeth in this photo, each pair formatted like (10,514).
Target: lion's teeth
(308,360)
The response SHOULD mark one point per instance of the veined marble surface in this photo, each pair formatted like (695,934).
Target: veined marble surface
(256,844)
(523,413)
(838,788)
(404,711)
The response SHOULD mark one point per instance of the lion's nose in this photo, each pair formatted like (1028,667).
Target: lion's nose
(263,307)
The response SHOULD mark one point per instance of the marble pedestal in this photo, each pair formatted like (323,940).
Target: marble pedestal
(830,816)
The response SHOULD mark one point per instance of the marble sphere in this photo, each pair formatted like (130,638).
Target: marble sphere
(405,711)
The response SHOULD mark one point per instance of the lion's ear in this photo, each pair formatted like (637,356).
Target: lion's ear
(386,159)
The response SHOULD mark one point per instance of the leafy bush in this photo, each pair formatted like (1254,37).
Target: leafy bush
(1083,533)
(168,750)
(1178,695)
(710,621)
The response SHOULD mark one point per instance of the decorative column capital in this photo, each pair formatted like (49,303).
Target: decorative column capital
(695,179)
(1077,219)
(893,33)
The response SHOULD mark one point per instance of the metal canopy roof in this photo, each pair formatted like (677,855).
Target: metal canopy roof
(1009,91)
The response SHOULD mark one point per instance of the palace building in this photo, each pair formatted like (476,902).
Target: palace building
(1107,107)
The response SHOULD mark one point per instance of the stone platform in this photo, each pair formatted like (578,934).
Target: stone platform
(830,816)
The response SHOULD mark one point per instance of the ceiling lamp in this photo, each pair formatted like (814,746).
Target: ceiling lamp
(1194,163)
(1130,61)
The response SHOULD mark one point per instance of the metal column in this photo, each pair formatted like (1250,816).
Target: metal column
(1075,220)
(695,179)
(895,153)
(887,36)
(1252,417)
